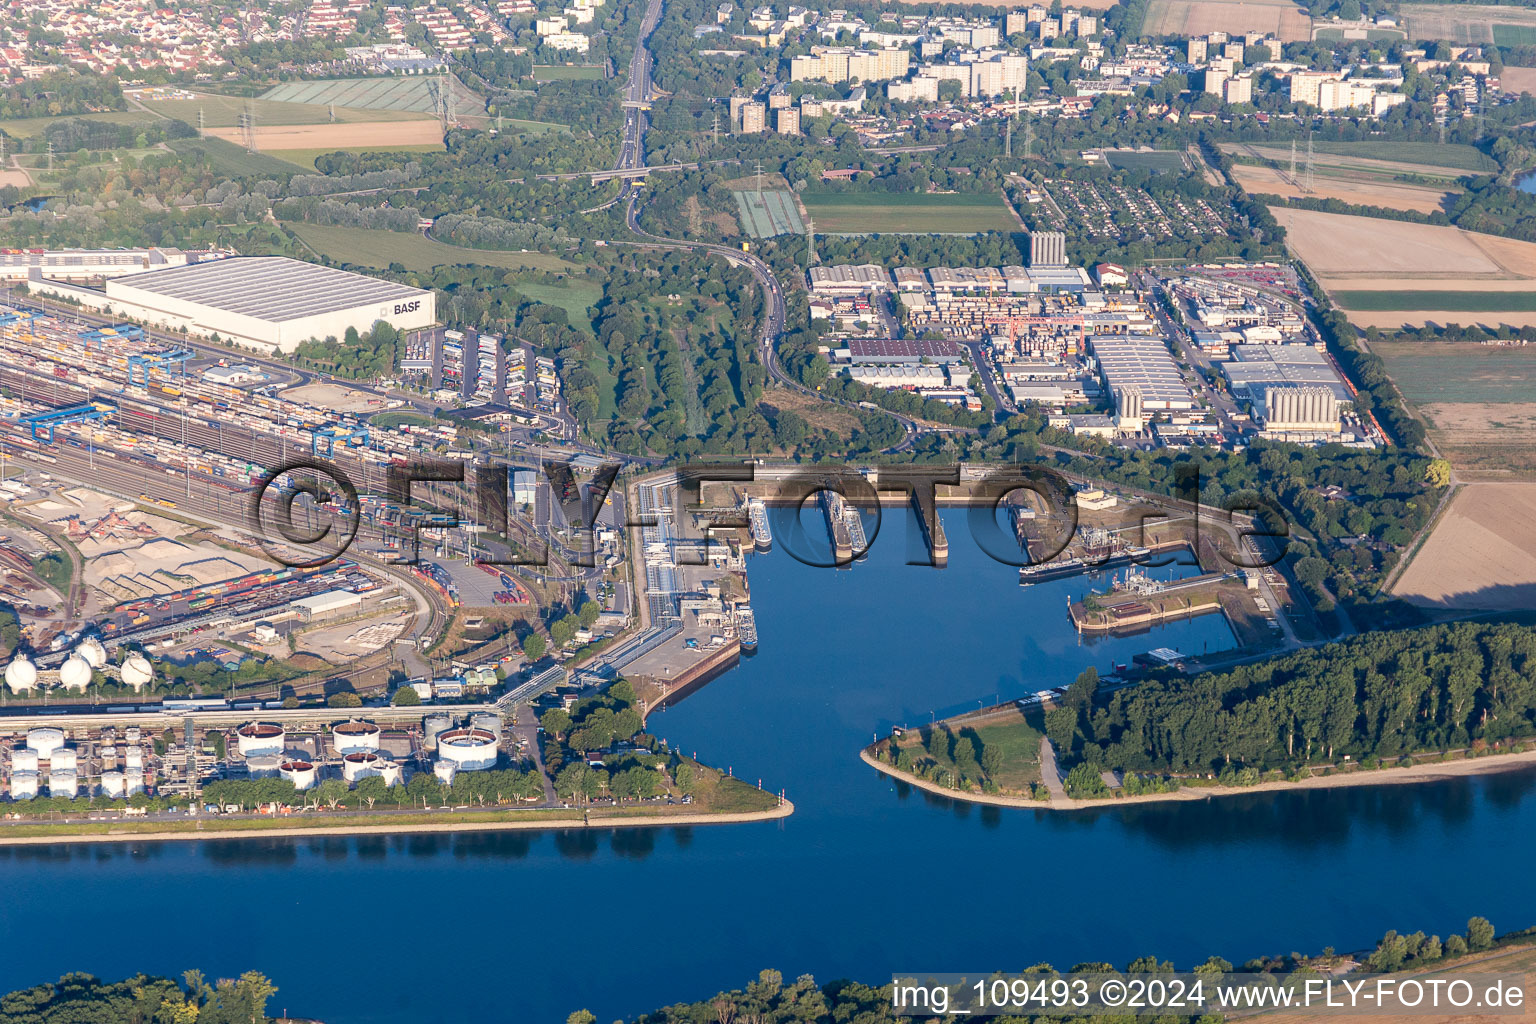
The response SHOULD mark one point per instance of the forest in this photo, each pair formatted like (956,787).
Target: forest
(78,998)
(1373,697)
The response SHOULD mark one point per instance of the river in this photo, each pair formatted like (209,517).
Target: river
(862,881)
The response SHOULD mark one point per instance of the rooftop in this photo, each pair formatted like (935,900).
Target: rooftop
(272,288)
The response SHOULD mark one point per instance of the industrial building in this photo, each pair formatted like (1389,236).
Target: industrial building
(1143,365)
(1300,410)
(84,264)
(271,301)
(849,279)
(903,350)
(1254,369)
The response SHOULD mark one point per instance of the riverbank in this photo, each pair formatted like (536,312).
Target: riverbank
(286,828)
(1405,775)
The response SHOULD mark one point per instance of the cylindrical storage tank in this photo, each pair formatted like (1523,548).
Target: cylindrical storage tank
(445,770)
(75,674)
(91,651)
(63,782)
(355,737)
(133,759)
(45,741)
(21,675)
(23,760)
(133,782)
(300,773)
(433,726)
(264,766)
(113,784)
(490,721)
(137,671)
(23,785)
(360,765)
(260,738)
(131,735)
(63,760)
(470,750)
(390,772)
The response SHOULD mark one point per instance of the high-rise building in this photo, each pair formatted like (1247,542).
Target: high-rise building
(737,102)
(788,121)
(779,97)
(754,118)
(1196,51)
(839,63)
(1305,85)
(1016,22)
(1047,249)
(1238,89)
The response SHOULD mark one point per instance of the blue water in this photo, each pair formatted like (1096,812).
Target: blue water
(1526,182)
(862,881)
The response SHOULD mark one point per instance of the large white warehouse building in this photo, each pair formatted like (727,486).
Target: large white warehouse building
(272,301)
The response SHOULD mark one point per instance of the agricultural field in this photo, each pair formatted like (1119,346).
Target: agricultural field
(1280,18)
(902,213)
(577,299)
(1470,23)
(1517,79)
(566,72)
(331,137)
(1158,161)
(27,127)
(767,213)
(404,97)
(230,160)
(1374,258)
(1478,402)
(1265,181)
(228,111)
(1481,555)
(367,247)
(1105,210)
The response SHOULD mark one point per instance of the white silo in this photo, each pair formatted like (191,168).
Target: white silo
(133,759)
(390,772)
(91,651)
(360,765)
(445,770)
(21,675)
(45,740)
(23,760)
(301,773)
(258,738)
(113,785)
(137,671)
(132,734)
(470,750)
(133,782)
(490,721)
(63,782)
(355,737)
(264,766)
(433,726)
(23,785)
(75,674)
(63,760)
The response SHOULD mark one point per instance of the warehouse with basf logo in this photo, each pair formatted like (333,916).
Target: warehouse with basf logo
(272,301)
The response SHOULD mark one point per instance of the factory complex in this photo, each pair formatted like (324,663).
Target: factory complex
(1098,353)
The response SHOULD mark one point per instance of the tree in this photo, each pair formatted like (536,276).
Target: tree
(1479,934)
(534,646)
(344,700)
(991,760)
(371,789)
(406,697)
(581,1017)
(1061,727)
(331,792)
(556,721)
(1080,693)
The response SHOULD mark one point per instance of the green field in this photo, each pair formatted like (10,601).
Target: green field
(26,127)
(1431,154)
(577,299)
(386,420)
(907,213)
(1431,372)
(378,99)
(1011,734)
(307,157)
(1450,302)
(367,247)
(228,159)
(226,112)
(566,72)
(1160,161)
(1514,35)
